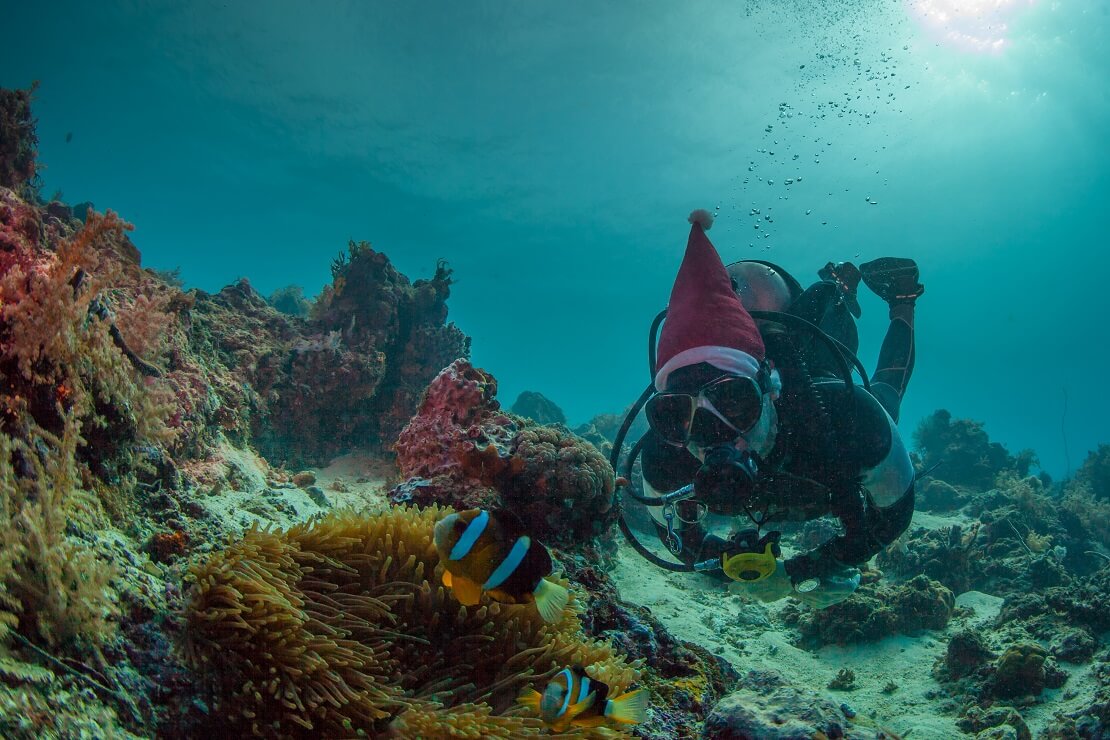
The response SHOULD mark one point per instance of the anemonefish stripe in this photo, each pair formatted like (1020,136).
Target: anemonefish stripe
(473,531)
(510,563)
(584,690)
(570,685)
(608,708)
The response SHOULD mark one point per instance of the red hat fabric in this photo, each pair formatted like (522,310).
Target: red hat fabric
(705,320)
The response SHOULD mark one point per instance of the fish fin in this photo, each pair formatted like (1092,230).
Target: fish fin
(630,708)
(531,699)
(595,720)
(551,600)
(446,578)
(576,709)
(466,591)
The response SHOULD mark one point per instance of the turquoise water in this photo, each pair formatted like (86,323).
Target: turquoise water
(551,152)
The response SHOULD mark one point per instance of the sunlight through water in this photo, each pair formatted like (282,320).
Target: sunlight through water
(977,26)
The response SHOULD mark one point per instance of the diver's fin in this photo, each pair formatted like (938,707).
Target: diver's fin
(446,578)
(531,699)
(630,708)
(894,279)
(551,600)
(466,591)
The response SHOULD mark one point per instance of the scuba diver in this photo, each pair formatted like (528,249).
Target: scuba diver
(754,418)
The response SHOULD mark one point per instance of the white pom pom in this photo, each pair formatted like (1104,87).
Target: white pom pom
(703,218)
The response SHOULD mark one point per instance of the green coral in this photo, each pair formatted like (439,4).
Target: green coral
(1020,671)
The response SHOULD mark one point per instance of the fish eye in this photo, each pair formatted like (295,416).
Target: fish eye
(460,526)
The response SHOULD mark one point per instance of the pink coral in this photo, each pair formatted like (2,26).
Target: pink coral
(462,450)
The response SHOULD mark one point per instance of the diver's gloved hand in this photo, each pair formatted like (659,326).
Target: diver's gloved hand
(772,588)
(821,582)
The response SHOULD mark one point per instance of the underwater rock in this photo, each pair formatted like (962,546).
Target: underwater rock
(349,375)
(1020,671)
(768,708)
(947,555)
(996,722)
(464,445)
(374,308)
(1094,474)
(967,652)
(937,495)
(17,138)
(304,479)
(865,616)
(969,457)
(1091,721)
(1073,645)
(290,301)
(873,612)
(922,604)
(538,408)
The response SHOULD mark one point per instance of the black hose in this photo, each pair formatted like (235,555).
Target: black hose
(833,345)
(652,332)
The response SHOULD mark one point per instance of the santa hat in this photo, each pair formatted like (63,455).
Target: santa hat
(705,320)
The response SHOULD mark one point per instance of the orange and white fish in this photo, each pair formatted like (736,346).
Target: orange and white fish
(489,551)
(573,699)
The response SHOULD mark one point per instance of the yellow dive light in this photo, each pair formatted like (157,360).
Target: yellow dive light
(750,557)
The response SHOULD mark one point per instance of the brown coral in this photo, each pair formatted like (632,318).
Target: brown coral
(54,589)
(341,625)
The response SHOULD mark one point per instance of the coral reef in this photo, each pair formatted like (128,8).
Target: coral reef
(1094,475)
(341,625)
(17,139)
(539,408)
(461,450)
(875,611)
(349,375)
(290,301)
(967,455)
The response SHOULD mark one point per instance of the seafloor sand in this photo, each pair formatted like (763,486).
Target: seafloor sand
(752,635)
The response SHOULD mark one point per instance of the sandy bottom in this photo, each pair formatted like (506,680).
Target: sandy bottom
(751,635)
(254,494)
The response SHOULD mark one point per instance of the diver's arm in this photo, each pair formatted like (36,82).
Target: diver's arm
(867,530)
(874,507)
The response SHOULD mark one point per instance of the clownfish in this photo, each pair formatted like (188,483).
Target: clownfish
(572,698)
(489,551)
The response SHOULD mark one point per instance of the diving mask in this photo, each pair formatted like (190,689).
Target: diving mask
(734,400)
(751,558)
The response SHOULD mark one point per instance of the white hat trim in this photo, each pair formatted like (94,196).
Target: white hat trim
(723,358)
